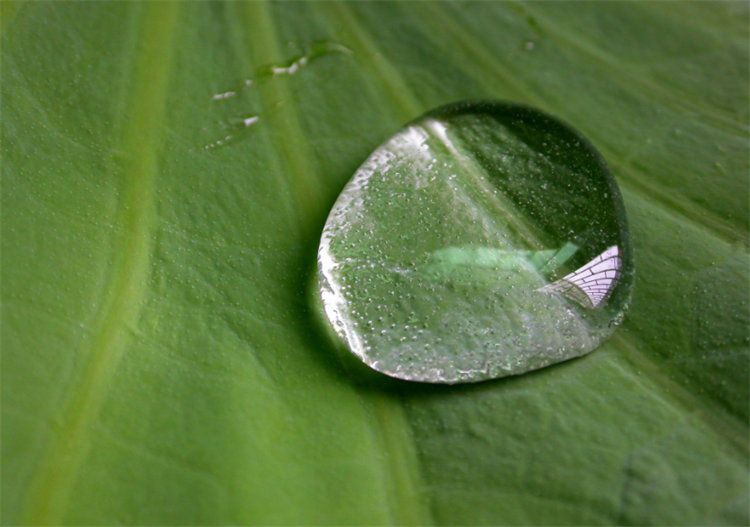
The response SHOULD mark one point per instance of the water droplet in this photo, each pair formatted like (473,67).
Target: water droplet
(494,237)
(224,95)
(312,52)
(238,125)
(233,130)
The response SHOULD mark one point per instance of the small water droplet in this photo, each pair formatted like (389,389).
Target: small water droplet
(494,236)
(264,73)
(225,95)
(312,52)
(234,129)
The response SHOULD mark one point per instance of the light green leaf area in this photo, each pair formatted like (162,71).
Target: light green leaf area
(161,361)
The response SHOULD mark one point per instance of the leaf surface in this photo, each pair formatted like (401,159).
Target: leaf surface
(162,361)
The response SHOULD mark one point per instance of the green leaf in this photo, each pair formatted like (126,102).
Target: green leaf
(161,361)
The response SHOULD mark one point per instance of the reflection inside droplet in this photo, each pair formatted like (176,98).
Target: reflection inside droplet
(592,283)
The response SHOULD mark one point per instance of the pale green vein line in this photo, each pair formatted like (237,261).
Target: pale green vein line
(279,112)
(57,472)
(390,82)
(239,45)
(405,490)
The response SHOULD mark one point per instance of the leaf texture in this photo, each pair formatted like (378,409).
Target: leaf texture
(161,361)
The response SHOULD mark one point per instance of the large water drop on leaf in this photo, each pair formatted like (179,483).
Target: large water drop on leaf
(482,240)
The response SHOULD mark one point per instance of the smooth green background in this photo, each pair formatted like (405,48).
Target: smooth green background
(161,363)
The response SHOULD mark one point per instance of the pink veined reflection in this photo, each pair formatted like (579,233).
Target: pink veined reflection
(592,284)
